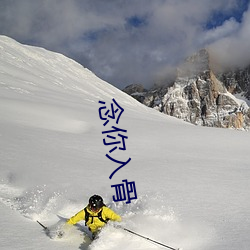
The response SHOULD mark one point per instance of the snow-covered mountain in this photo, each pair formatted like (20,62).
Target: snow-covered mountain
(201,96)
(192,182)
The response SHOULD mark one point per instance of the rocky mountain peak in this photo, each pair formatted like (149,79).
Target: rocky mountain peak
(200,96)
(196,64)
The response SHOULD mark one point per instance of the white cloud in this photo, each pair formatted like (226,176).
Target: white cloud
(97,33)
(233,50)
(228,28)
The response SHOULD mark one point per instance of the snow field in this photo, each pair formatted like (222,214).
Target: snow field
(192,182)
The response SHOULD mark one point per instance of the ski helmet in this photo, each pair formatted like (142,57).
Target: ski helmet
(96,202)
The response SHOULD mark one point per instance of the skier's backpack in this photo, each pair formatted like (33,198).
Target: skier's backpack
(99,215)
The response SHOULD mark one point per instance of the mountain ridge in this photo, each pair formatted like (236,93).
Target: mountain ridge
(201,95)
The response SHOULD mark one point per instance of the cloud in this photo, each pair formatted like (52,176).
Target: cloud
(124,42)
(233,49)
(228,28)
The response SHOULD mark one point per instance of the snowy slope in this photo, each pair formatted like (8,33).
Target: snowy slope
(192,182)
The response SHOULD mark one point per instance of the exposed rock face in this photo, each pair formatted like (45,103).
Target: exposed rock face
(237,81)
(199,97)
(137,91)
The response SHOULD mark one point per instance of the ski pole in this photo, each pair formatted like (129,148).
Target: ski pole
(159,243)
(45,228)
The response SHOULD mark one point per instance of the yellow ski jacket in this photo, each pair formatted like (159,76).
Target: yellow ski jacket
(94,223)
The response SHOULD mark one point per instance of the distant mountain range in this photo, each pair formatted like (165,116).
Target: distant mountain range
(201,94)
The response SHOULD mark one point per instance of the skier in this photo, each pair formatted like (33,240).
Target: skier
(95,214)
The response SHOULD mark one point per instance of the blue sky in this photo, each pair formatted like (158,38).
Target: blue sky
(218,17)
(131,41)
